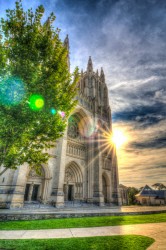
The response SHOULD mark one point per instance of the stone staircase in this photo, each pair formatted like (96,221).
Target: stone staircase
(69,205)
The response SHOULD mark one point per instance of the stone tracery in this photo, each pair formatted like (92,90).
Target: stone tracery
(73,129)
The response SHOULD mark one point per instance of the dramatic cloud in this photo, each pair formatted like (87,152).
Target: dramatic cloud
(142,159)
(126,38)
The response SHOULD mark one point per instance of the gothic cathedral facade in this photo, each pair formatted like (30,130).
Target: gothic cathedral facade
(83,166)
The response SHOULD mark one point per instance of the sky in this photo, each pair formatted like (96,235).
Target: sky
(128,39)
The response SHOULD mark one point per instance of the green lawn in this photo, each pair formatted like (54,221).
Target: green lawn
(83,222)
(128,242)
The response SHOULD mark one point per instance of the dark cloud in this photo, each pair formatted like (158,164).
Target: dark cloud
(158,143)
(144,104)
(160,166)
(96,7)
(143,115)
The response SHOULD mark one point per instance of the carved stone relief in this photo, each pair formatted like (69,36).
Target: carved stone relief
(68,177)
(33,174)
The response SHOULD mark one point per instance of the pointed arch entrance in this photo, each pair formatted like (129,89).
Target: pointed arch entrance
(73,184)
(36,188)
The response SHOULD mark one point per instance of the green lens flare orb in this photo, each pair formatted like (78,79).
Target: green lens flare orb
(53,111)
(36,102)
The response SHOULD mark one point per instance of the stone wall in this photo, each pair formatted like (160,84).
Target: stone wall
(37,216)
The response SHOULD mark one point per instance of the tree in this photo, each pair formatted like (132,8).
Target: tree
(35,87)
(140,189)
(132,191)
(159,186)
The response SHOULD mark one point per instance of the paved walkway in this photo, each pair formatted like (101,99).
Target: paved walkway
(154,230)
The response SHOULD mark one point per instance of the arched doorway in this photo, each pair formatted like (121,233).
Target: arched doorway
(73,184)
(34,189)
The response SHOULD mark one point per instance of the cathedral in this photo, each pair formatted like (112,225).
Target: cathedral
(83,166)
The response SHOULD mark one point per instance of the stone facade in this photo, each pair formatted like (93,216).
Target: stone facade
(83,165)
(123,191)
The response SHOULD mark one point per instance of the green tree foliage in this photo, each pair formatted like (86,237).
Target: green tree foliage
(33,64)
(140,189)
(132,191)
(159,186)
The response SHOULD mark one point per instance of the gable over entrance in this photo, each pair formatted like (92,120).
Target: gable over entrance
(73,184)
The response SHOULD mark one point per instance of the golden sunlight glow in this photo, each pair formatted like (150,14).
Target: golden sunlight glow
(118,138)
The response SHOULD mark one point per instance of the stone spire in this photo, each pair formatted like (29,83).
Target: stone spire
(66,44)
(97,73)
(47,23)
(102,76)
(90,65)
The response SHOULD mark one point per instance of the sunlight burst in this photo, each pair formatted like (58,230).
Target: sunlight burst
(118,138)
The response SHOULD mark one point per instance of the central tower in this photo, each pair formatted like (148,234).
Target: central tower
(88,163)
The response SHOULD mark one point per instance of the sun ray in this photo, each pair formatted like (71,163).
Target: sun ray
(102,148)
(107,141)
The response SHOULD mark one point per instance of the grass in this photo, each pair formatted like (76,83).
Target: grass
(128,242)
(82,222)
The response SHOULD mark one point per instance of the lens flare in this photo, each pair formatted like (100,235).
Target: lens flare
(12,91)
(62,113)
(36,102)
(87,127)
(53,111)
(39,103)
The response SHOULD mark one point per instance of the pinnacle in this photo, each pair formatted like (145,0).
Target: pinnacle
(66,41)
(67,37)
(90,65)
(102,72)
(102,76)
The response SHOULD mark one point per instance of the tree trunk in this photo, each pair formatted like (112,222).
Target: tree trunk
(3,171)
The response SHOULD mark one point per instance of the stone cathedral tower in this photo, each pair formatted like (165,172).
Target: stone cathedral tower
(83,166)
